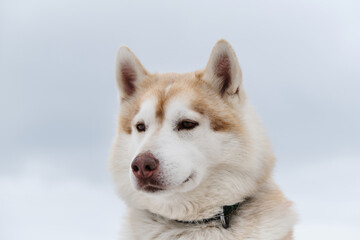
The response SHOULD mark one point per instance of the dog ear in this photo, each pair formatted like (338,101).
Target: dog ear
(223,70)
(129,72)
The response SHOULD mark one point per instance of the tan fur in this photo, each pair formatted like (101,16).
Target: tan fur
(247,173)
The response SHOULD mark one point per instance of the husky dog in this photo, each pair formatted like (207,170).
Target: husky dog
(191,159)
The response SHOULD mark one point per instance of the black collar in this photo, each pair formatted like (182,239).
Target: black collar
(223,216)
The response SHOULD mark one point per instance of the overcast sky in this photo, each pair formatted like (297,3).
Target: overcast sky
(58,100)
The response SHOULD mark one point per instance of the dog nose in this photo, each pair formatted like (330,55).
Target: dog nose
(144,165)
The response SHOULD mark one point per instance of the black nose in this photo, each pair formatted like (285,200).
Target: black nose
(144,166)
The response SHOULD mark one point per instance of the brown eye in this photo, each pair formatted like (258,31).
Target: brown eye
(140,127)
(187,125)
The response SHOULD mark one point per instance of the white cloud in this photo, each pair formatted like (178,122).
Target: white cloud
(34,206)
(325,194)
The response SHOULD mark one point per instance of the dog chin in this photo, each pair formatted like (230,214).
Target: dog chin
(152,189)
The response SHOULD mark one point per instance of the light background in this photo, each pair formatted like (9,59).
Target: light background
(58,103)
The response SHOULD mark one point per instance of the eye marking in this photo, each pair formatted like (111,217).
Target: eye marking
(186,124)
(140,127)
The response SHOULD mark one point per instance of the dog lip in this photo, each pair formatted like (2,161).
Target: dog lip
(156,187)
(188,179)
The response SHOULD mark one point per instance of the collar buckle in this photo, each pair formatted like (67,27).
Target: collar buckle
(224,220)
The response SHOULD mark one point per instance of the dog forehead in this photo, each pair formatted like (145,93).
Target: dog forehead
(166,101)
(177,106)
(147,107)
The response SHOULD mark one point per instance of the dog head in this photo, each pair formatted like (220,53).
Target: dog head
(186,142)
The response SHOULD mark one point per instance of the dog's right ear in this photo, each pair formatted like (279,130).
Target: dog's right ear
(129,72)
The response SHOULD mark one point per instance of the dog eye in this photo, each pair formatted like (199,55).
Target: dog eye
(187,125)
(140,127)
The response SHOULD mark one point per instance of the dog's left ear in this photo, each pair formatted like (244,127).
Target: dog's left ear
(223,70)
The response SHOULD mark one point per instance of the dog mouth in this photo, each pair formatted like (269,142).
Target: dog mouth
(154,188)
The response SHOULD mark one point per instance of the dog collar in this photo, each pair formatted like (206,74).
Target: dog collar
(223,216)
